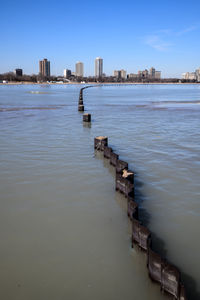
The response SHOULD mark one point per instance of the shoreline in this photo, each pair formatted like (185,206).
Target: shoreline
(101,83)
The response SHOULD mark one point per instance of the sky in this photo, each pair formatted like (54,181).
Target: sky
(130,35)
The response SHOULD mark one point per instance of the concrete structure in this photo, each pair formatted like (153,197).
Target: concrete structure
(98,67)
(143,74)
(192,75)
(120,74)
(157,74)
(123,74)
(198,75)
(152,72)
(132,75)
(44,67)
(79,69)
(189,76)
(18,72)
(117,74)
(67,73)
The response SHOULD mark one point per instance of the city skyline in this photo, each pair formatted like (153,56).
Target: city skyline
(167,37)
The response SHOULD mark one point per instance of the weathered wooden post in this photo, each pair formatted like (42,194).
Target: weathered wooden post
(154,265)
(81,108)
(113,159)
(107,152)
(170,279)
(121,165)
(132,207)
(141,235)
(124,182)
(80,102)
(87,118)
(100,142)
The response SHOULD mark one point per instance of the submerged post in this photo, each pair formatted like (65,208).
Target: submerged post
(87,118)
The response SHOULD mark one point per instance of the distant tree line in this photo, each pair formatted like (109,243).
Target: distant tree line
(11,77)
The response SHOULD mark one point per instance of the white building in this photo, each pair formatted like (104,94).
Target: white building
(189,76)
(198,74)
(120,74)
(79,69)
(98,67)
(157,74)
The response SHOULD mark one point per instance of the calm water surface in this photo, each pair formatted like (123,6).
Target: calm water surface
(64,230)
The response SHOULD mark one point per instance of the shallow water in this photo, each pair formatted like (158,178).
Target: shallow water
(64,229)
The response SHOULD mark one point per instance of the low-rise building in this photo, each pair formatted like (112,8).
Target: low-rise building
(120,74)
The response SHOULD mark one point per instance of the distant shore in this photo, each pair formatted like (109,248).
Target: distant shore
(99,83)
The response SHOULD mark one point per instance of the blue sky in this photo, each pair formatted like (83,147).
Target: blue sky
(131,35)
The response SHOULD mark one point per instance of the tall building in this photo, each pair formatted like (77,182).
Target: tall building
(79,69)
(123,74)
(18,72)
(98,67)
(67,73)
(152,72)
(44,67)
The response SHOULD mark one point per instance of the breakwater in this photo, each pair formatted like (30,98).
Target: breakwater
(159,269)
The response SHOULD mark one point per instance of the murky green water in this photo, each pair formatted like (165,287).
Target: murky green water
(64,230)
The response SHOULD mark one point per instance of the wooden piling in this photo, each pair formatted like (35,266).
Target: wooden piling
(107,152)
(170,280)
(100,142)
(132,209)
(87,118)
(81,108)
(121,165)
(113,159)
(159,270)
(124,184)
(141,235)
(154,265)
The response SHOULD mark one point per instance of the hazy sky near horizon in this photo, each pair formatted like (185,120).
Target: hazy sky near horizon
(132,35)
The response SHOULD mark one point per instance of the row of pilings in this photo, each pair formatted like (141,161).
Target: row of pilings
(159,269)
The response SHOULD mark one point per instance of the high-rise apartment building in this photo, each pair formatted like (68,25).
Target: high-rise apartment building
(67,73)
(98,67)
(44,67)
(18,72)
(79,69)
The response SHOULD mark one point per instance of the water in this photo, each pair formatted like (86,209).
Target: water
(64,230)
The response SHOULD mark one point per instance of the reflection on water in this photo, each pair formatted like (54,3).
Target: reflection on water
(64,229)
